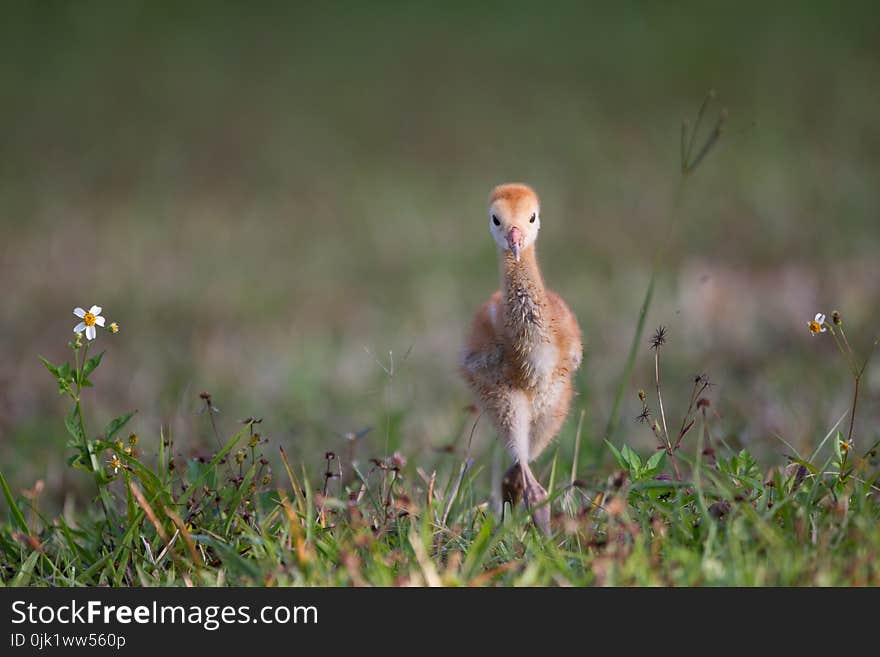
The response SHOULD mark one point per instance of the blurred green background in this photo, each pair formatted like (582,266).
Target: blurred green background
(266,196)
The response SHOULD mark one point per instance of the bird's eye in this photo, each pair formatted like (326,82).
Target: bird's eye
(532,220)
(495,220)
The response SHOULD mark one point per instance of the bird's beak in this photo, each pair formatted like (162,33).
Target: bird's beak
(515,241)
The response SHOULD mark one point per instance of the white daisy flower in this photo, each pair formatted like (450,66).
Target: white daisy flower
(817,326)
(89,320)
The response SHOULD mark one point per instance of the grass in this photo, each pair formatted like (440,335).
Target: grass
(227,519)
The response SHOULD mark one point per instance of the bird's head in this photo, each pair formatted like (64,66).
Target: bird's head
(514,217)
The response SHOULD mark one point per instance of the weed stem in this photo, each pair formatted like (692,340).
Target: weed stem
(93,459)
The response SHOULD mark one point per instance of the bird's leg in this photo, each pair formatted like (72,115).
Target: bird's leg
(515,421)
(536,499)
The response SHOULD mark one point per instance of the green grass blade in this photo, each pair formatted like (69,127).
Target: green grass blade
(23,577)
(17,515)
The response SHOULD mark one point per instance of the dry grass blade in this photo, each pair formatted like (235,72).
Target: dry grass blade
(295,531)
(294,482)
(148,510)
(429,570)
(187,537)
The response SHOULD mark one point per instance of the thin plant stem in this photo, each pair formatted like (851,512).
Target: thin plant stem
(210,410)
(660,397)
(669,448)
(845,351)
(697,391)
(852,415)
(93,459)
(690,148)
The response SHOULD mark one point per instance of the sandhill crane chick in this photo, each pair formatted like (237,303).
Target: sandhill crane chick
(523,349)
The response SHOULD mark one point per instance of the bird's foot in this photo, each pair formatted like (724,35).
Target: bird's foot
(537,500)
(512,486)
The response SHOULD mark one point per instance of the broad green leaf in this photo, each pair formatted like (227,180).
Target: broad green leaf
(49,366)
(655,460)
(71,421)
(631,457)
(90,366)
(617,454)
(116,424)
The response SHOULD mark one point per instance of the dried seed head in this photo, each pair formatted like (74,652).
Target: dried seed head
(659,338)
(835,317)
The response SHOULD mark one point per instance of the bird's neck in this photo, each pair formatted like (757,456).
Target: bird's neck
(525,300)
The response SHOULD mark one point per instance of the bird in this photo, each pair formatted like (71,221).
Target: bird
(523,349)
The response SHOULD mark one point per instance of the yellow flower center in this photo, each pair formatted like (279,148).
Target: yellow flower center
(89,319)
(815,327)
